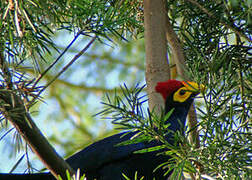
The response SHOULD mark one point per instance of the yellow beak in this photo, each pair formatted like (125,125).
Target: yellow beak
(194,87)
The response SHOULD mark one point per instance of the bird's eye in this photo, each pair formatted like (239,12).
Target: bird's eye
(181,95)
(182,92)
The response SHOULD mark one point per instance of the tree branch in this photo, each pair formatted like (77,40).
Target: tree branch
(13,109)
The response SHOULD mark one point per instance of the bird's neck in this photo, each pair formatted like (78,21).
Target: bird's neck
(178,117)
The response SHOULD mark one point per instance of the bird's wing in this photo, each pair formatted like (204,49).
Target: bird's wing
(104,151)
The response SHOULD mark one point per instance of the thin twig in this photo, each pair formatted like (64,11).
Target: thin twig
(6,133)
(41,75)
(111,60)
(16,20)
(65,68)
(71,62)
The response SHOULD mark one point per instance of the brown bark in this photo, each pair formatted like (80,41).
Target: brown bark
(157,30)
(177,51)
(14,111)
(157,67)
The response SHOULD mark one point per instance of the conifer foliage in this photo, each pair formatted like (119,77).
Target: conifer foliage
(35,57)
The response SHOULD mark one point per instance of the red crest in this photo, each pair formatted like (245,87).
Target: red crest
(167,87)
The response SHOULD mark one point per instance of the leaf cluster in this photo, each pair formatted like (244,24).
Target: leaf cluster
(225,136)
(216,37)
(27,26)
(130,113)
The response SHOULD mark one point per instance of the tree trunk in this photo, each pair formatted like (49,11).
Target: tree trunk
(157,66)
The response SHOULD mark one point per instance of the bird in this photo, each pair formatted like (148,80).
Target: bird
(105,160)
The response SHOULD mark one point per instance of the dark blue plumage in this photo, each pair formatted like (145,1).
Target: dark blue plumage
(104,160)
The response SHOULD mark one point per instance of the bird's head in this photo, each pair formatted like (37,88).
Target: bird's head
(178,95)
(178,92)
